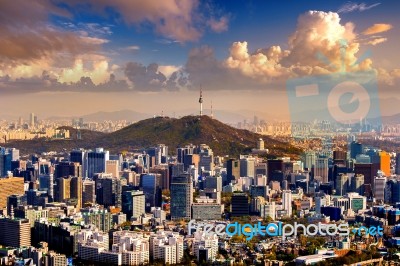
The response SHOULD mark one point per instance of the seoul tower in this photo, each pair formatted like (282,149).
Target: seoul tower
(201,101)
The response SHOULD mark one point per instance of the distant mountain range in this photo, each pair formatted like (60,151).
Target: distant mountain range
(222,138)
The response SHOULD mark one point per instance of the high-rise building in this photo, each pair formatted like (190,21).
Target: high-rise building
(10,186)
(232,170)
(379,188)
(247,165)
(63,188)
(15,232)
(66,168)
(385,163)
(214,182)
(32,120)
(308,158)
(46,183)
(239,205)
(342,184)
(150,184)
(287,202)
(96,161)
(163,171)
(76,190)
(275,170)
(368,170)
(133,204)
(321,169)
(357,184)
(108,191)
(112,167)
(88,192)
(355,149)
(339,157)
(181,196)
(206,158)
(397,169)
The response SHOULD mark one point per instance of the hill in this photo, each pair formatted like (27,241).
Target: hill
(173,132)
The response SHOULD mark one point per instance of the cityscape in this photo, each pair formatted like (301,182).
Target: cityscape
(191,132)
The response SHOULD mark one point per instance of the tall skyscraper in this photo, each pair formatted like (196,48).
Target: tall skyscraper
(76,190)
(163,171)
(108,191)
(232,170)
(385,163)
(150,184)
(240,204)
(206,158)
(66,168)
(342,184)
(96,161)
(368,170)
(63,188)
(88,192)
(181,197)
(46,183)
(397,169)
(32,120)
(287,202)
(379,188)
(10,186)
(355,149)
(133,204)
(357,184)
(112,167)
(247,166)
(15,232)
(275,170)
(321,169)
(308,158)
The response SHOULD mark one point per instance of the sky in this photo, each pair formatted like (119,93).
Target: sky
(70,58)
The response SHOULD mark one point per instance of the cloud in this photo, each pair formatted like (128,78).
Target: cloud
(317,33)
(376,41)
(219,25)
(181,20)
(167,70)
(132,48)
(351,7)
(377,28)
(27,37)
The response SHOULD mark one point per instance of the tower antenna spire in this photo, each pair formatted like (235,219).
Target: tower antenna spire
(212,115)
(201,101)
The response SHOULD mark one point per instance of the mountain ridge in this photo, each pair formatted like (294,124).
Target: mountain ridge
(173,132)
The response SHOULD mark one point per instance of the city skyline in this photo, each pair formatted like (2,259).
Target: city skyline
(79,58)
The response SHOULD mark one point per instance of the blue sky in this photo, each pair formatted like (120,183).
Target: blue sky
(101,49)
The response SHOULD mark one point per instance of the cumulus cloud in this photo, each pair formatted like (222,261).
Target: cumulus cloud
(318,34)
(377,28)
(352,7)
